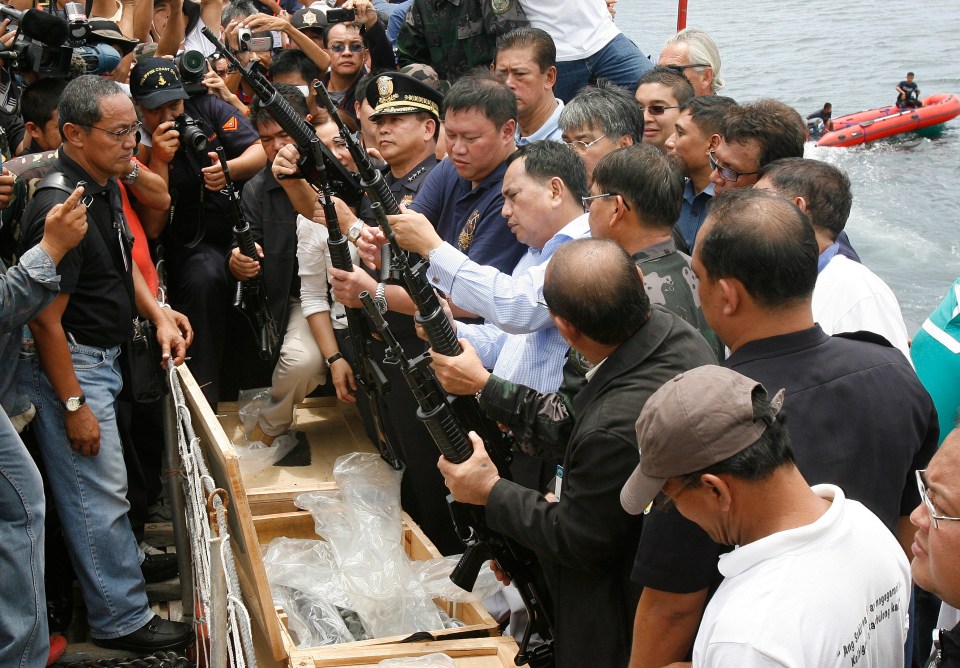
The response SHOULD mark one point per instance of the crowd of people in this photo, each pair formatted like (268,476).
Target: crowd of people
(723,452)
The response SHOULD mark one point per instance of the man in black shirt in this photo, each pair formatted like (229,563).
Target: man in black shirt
(908,93)
(857,414)
(73,377)
(196,232)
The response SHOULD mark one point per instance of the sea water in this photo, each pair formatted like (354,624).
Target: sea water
(851,54)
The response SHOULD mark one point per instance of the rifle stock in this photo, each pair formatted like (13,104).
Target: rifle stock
(481,543)
(251,295)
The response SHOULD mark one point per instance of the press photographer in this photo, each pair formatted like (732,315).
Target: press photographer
(196,233)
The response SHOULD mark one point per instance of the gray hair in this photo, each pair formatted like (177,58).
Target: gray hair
(80,102)
(606,107)
(236,10)
(702,49)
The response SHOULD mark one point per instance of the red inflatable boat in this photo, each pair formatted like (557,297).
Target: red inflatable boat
(873,124)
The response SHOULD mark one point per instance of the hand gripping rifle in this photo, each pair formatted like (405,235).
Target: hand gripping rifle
(251,296)
(343,183)
(450,435)
(369,375)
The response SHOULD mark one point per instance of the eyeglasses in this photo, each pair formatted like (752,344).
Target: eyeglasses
(582,146)
(664,502)
(587,201)
(726,173)
(119,135)
(656,109)
(340,48)
(935,515)
(679,69)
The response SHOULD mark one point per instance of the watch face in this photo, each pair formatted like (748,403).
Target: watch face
(73,404)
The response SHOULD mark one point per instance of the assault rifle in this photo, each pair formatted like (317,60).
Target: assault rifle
(343,183)
(481,543)
(369,375)
(371,180)
(251,295)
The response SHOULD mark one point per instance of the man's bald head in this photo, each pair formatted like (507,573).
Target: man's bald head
(594,285)
(765,242)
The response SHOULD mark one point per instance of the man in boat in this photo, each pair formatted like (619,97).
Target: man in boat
(810,563)
(695,134)
(823,114)
(937,543)
(692,53)
(908,93)
(858,416)
(661,93)
(526,62)
(600,119)
(581,534)
(848,297)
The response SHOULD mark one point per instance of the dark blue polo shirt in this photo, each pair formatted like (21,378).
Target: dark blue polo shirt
(469,218)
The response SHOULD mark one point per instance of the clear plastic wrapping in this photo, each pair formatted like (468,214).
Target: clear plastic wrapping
(255,456)
(436,660)
(360,569)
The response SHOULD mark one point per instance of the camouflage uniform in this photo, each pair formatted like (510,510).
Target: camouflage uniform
(541,423)
(456,36)
(27,171)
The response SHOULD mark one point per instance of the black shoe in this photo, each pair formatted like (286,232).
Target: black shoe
(155,636)
(159,567)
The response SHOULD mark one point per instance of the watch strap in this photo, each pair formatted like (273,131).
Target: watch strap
(333,358)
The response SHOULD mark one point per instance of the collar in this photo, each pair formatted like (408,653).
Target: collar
(656,251)
(775,346)
(415,175)
(550,127)
(494,178)
(76,173)
(800,539)
(828,254)
(630,354)
(577,228)
(690,194)
(592,371)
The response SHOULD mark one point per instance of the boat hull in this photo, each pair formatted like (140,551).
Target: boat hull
(874,124)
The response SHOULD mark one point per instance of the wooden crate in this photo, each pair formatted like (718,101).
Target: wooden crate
(266,512)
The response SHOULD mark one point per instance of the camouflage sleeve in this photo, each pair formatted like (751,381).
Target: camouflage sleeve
(412,42)
(541,422)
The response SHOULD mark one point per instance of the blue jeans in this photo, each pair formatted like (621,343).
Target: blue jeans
(90,492)
(23,611)
(620,61)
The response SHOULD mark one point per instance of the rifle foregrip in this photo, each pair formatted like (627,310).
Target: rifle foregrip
(446,431)
(245,242)
(465,573)
(439,332)
(379,191)
(340,255)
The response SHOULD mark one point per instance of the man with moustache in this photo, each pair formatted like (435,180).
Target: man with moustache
(526,61)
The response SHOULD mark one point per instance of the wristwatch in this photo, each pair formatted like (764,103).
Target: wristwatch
(379,297)
(333,358)
(353,234)
(131,178)
(73,404)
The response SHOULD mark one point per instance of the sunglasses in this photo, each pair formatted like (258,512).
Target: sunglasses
(726,173)
(656,109)
(354,48)
(679,69)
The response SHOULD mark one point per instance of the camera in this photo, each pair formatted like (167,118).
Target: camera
(340,15)
(78,27)
(248,42)
(191,135)
(98,58)
(192,66)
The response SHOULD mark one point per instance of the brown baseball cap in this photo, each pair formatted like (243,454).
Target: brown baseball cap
(696,420)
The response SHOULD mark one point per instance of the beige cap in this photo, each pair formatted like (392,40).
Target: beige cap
(694,421)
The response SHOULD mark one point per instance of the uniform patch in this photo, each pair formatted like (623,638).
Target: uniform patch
(465,240)
(231,125)
(500,6)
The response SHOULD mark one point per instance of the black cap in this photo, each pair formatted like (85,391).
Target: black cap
(155,81)
(395,93)
(308,19)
